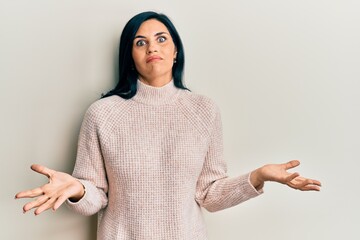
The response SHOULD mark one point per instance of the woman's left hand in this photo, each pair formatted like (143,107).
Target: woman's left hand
(278,173)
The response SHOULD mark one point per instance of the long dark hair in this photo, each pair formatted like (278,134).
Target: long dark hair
(127,85)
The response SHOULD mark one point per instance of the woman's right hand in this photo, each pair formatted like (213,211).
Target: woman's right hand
(61,187)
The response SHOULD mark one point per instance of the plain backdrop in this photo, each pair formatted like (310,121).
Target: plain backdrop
(284,73)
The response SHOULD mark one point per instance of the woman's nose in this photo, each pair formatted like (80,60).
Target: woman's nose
(152,47)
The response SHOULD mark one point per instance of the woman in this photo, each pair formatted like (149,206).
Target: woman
(150,152)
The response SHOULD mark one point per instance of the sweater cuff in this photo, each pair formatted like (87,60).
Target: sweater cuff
(90,203)
(251,189)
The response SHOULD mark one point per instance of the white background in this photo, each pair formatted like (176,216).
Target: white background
(285,74)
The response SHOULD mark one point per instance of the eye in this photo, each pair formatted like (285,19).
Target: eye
(161,39)
(140,43)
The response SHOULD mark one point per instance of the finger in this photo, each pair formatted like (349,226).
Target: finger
(310,188)
(34,204)
(42,170)
(304,184)
(313,185)
(316,182)
(59,202)
(48,204)
(292,164)
(30,193)
(292,176)
(307,187)
(307,181)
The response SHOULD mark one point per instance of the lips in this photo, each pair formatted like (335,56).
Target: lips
(153,58)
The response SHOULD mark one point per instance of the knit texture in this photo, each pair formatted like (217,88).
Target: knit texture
(150,163)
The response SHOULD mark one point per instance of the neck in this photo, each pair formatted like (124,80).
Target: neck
(156,82)
(150,95)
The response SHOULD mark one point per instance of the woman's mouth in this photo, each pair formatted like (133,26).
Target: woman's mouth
(153,59)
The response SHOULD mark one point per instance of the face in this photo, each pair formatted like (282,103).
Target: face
(154,52)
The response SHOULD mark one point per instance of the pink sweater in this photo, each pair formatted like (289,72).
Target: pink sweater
(150,163)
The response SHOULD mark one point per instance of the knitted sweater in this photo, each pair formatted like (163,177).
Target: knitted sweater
(150,163)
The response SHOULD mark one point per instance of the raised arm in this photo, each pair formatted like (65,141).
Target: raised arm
(84,191)
(217,191)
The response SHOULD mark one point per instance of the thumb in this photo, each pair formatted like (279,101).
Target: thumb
(291,164)
(42,170)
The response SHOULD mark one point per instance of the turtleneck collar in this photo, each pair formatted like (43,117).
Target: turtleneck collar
(150,95)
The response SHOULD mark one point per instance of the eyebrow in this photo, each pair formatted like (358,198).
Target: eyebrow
(156,34)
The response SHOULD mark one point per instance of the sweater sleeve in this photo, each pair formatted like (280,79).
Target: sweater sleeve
(215,190)
(89,167)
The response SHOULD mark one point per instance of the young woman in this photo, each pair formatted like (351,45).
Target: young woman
(150,153)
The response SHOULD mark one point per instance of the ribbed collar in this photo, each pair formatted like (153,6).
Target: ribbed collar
(150,95)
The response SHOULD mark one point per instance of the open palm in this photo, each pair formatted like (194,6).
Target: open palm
(60,187)
(279,173)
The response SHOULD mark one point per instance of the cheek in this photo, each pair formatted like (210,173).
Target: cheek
(170,53)
(134,55)
(136,58)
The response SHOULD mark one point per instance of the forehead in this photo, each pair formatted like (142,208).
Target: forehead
(151,27)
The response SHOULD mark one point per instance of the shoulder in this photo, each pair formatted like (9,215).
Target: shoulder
(199,104)
(201,111)
(100,110)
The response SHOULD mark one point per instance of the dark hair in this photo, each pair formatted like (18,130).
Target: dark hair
(127,84)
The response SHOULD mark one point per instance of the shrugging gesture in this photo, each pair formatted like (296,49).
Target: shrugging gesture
(278,173)
(61,186)
(161,144)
